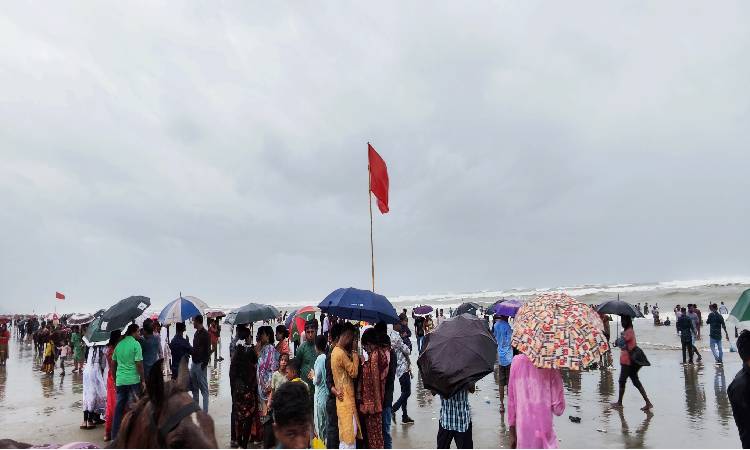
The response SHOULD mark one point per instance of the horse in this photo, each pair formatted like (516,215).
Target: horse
(167,417)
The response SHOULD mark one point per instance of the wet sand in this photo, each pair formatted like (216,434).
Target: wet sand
(691,405)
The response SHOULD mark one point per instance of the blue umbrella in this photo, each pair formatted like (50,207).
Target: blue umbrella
(181,309)
(357,304)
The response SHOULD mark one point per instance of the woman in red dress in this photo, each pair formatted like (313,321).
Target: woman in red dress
(114,338)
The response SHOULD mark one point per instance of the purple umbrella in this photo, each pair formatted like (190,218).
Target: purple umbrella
(506,308)
(424,309)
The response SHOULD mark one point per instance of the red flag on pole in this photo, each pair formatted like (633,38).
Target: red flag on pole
(59,296)
(378,178)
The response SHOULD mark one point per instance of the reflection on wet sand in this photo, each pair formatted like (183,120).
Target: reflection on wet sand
(3,380)
(723,408)
(638,438)
(695,396)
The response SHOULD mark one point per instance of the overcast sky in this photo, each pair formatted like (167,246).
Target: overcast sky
(219,148)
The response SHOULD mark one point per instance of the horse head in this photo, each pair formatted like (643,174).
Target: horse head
(167,417)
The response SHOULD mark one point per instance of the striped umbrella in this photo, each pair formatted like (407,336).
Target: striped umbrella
(182,309)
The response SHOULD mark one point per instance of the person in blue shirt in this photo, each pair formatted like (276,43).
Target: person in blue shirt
(503,333)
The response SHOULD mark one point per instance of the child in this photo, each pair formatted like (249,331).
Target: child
(292,415)
(279,377)
(64,353)
(49,357)
(292,370)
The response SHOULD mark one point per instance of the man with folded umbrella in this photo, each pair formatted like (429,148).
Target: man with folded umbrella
(455,420)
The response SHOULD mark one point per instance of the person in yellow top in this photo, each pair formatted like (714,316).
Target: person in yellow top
(345,365)
(49,356)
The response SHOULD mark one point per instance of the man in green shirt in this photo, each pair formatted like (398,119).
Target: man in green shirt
(306,354)
(128,374)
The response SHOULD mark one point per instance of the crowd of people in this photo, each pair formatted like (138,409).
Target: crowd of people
(335,387)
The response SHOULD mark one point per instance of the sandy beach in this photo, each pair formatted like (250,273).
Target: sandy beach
(691,405)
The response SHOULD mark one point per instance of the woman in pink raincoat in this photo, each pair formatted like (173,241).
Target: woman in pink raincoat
(533,396)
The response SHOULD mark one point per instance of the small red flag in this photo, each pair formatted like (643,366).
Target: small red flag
(378,178)
(59,296)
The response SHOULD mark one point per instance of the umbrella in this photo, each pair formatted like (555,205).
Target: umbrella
(358,304)
(52,316)
(506,308)
(289,318)
(215,314)
(80,319)
(618,307)
(469,307)
(181,309)
(741,311)
(116,317)
(301,316)
(424,309)
(457,354)
(556,331)
(231,316)
(254,312)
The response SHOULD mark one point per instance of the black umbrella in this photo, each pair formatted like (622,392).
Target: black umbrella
(469,307)
(116,317)
(619,308)
(457,354)
(252,312)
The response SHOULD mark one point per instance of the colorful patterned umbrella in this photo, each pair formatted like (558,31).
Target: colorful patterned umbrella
(301,316)
(555,330)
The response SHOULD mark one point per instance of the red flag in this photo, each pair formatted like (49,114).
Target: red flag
(59,296)
(378,178)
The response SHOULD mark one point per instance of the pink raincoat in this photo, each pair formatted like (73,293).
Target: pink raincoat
(533,396)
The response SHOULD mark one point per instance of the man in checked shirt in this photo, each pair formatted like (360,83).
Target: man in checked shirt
(455,420)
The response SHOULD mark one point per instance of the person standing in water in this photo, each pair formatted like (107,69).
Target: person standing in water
(534,395)
(716,322)
(627,368)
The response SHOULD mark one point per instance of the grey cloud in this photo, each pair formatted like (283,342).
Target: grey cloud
(220,150)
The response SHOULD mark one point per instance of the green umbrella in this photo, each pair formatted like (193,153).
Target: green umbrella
(741,311)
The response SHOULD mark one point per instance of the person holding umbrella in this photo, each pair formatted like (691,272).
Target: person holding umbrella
(345,367)
(628,368)
(455,420)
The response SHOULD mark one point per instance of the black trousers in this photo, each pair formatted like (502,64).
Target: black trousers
(630,371)
(689,347)
(463,439)
(332,441)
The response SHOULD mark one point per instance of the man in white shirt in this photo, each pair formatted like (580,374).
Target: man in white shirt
(403,372)
(723,309)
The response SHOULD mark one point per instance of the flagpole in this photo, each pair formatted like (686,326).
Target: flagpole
(372,247)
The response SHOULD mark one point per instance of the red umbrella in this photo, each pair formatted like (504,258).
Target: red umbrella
(303,315)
